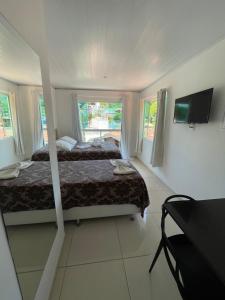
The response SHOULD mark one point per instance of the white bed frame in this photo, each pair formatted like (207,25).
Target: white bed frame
(73,214)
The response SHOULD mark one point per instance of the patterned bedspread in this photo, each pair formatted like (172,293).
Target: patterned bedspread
(108,150)
(83,183)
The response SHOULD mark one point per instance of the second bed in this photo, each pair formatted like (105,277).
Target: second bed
(88,189)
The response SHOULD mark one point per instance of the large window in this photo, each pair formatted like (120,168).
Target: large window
(150,113)
(6,128)
(100,119)
(43,119)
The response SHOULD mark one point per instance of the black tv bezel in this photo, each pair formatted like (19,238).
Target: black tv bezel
(182,99)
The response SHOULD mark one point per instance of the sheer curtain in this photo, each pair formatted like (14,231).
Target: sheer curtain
(16,125)
(141,126)
(158,142)
(37,133)
(124,130)
(77,133)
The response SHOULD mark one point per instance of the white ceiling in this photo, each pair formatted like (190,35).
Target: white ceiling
(132,42)
(119,44)
(18,62)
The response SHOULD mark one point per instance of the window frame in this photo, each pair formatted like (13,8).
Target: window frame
(5,93)
(147,99)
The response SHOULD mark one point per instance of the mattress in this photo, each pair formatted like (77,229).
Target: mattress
(83,183)
(108,150)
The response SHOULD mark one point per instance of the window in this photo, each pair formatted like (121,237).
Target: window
(6,128)
(43,119)
(100,119)
(150,113)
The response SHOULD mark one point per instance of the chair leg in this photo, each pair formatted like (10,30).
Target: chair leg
(156,255)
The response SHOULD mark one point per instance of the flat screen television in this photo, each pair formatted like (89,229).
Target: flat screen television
(194,108)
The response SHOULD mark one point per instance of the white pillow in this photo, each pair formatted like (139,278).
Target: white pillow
(64,145)
(69,140)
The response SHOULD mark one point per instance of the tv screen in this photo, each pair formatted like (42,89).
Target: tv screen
(194,108)
(182,112)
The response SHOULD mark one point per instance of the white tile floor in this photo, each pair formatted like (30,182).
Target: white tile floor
(108,259)
(30,246)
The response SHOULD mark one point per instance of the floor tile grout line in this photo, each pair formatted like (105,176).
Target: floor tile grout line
(93,262)
(63,279)
(105,260)
(31,271)
(124,268)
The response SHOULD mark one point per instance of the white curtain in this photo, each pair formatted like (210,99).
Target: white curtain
(141,126)
(38,140)
(77,133)
(158,142)
(124,148)
(16,126)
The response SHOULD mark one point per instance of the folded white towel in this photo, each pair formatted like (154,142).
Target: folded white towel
(25,164)
(120,162)
(9,173)
(123,170)
(11,167)
(13,171)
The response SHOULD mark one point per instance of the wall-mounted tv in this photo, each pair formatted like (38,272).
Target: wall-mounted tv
(194,108)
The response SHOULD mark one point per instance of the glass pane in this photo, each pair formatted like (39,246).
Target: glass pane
(100,119)
(5,117)
(150,113)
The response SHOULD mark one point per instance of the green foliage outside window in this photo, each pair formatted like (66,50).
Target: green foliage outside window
(100,115)
(43,119)
(5,116)
(150,114)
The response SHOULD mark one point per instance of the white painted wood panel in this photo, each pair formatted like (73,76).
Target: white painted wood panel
(112,44)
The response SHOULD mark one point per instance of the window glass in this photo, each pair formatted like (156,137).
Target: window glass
(150,113)
(43,119)
(100,119)
(6,128)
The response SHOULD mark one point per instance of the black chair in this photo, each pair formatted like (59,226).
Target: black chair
(194,278)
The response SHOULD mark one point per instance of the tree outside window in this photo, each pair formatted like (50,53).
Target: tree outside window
(6,128)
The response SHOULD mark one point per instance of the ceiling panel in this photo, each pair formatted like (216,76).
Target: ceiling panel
(127,44)
(120,44)
(18,62)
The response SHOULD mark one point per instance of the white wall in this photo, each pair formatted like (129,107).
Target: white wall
(194,159)
(63,108)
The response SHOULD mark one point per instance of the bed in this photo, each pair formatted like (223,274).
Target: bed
(108,150)
(89,189)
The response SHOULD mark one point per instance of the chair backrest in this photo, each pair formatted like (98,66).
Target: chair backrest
(167,245)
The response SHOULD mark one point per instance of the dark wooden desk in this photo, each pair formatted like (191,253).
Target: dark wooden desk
(203,222)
